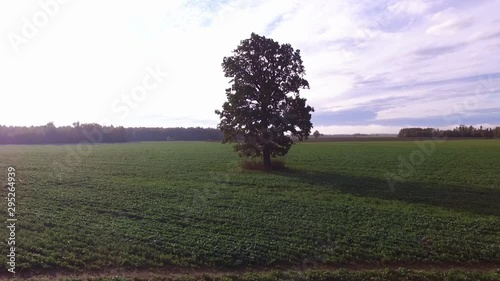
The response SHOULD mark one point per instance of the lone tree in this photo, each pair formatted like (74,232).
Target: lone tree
(316,134)
(264,110)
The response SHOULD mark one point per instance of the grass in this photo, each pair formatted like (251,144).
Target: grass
(256,164)
(189,204)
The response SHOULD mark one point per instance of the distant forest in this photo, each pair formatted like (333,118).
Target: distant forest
(95,133)
(460,131)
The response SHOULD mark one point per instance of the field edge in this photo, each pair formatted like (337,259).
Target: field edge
(317,273)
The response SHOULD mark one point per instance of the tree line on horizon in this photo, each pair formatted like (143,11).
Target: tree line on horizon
(95,133)
(459,131)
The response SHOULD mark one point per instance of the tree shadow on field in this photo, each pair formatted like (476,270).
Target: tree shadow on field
(483,201)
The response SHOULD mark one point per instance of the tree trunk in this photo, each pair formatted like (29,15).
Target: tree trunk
(267,157)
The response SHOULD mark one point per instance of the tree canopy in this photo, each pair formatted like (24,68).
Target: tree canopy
(264,108)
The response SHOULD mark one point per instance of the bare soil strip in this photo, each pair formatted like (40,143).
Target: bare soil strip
(201,271)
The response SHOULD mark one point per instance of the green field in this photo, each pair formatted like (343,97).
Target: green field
(188,204)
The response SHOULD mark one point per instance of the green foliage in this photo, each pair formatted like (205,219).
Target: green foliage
(263,103)
(459,131)
(153,205)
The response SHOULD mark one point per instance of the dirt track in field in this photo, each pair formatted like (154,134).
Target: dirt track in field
(194,272)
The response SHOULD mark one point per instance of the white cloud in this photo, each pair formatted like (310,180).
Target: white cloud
(362,129)
(449,22)
(450,26)
(413,7)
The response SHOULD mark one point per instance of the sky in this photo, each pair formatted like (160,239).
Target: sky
(373,66)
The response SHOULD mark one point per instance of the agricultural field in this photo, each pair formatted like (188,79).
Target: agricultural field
(368,207)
